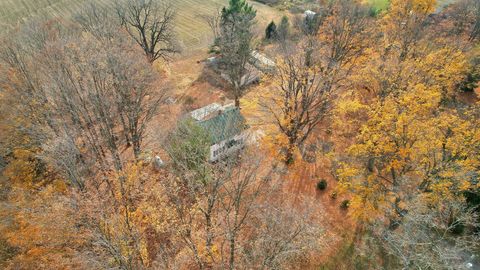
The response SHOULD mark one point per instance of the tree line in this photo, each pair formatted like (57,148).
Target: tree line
(78,192)
(77,100)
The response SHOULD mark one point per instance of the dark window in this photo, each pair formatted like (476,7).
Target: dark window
(230,143)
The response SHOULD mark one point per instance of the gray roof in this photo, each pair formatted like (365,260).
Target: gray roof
(203,112)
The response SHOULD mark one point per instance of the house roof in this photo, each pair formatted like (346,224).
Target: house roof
(228,123)
(262,59)
(310,14)
(202,113)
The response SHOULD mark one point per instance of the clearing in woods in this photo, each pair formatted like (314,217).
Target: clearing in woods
(383,4)
(192,30)
(379,4)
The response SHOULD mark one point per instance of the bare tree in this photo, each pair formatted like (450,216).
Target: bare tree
(405,26)
(98,21)
(197,184)
(151,24)
(234,210)
(240,201)
(286,235)
(86,81)
(137,99)
(74,84)
(310,74)
(343,35)
(213,21)
(225,194)
(64,155)
(130,99)
(466,16)
(21,79)
(82,94)
(475,32)
(432,236)
(299,102)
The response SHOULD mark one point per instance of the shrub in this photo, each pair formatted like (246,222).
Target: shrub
(374,11)
(345,203)
(189,100)
(271,31)
(283,30)
(333,195)
(322,184)
(456,227)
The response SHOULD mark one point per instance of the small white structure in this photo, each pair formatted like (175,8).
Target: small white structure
(158,163)
(226,127)
(309,14)
(262,62)
(212,61)
(170,100)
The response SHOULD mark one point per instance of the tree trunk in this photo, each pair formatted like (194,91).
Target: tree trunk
(136,146)
(237,102)
(209,238)
(289,156)
(232,253)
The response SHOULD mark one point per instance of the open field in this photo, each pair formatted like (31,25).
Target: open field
(379,4)
(383,4)
(193,32)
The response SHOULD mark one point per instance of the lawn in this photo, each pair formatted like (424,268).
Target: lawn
(383,4)
(192,31)
(379,4)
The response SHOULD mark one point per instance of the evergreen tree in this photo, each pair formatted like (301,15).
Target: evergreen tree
(271,30)
(283,29)
(311,25)
(237,8)
(235,43)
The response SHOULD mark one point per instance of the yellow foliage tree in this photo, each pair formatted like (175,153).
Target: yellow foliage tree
(404,25)
(410,145)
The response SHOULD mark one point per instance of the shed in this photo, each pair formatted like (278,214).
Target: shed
(262,62)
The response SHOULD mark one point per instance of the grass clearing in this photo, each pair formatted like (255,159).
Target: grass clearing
(383,4)
(379,4)
(192,31)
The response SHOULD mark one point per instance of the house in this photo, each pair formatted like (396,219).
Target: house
(262,62)
(226,127)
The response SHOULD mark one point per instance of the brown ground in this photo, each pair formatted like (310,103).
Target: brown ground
(193,86)
(190,90)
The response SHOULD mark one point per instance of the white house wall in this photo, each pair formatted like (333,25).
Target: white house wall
(227,151)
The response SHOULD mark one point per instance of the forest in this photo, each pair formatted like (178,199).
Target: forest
(277,134)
